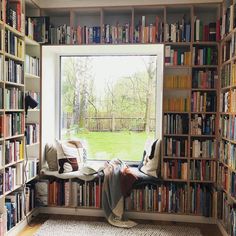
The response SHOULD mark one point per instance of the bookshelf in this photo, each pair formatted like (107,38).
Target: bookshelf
(227,117)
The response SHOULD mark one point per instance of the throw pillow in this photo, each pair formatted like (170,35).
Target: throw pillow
(68,156)
(51,157)
(151,159)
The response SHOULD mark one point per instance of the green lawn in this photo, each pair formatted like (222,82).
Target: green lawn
(109,145)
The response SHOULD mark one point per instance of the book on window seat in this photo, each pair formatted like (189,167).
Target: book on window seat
(92,167)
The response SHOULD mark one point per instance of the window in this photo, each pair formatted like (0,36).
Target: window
(109,102)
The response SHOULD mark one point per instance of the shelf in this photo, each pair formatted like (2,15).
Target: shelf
(205,66)
(176,112)
(14,110)
(14,84)
(13,30)
(202,136)
(229,140)
(225,89)
(33,144)
(202,181)
(15,136)
(204,89)
(178,43)
(14,163)
(13,57)
(211,43)
(27,181)
(177,158)
(203,158)
(175,180)
(31,42)
(177,67)
(176,89)
(226,62)
(175,135)
(1,110)
(34,110)
(204,112)
(31,76)
(10,191)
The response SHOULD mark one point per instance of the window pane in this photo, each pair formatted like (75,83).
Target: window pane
(109,103)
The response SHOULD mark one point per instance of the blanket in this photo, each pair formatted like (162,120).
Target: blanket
(118,181)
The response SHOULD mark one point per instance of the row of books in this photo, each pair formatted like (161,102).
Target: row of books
(201,200)
(205,56)
(223,177)
(29,197)
(176,104)
(227,49)
(175,147)
(175,169)
(232,184)
(227,153)
(14,124)
(227,127)
(32,133)
(204,148)
(13,151)
(176,57)
(227,76)
(207,32)
(14,45)
(177,81)
(14,14)
(31,168)
(1,97)
(202,170)
(15,208)
(203,102)
(228,101)
(178,32)
(32,65)
(202,125)
(167,197)
(227,213)
(14,71)
(13,177)
(61,34)
(152,33)
(204,79)
(175,124)
(14,98)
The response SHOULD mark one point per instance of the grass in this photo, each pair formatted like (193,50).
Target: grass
(127,146)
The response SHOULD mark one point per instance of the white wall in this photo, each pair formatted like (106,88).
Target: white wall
(100,3)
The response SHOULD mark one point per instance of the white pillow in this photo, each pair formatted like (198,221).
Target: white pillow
(152,160)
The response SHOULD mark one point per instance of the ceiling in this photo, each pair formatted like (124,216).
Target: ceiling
(101,3)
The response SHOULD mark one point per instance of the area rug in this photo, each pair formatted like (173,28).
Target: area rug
(93,228)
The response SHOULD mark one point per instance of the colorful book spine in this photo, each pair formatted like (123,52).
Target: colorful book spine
(175,147)
(32,65)
(228,77)
(32,133)
(31,168)
(13,98)
(14,71)
(13,151)
(223,177)
(203,102)
(202,170)
(175,124)
(177,81)
(205,56)
(227,153)
(227,127)
(204,79)
(176,104)
(175,169)
(14,124)
(204,148)
(202,125)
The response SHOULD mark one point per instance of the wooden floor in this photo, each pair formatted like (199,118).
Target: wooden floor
(206,229)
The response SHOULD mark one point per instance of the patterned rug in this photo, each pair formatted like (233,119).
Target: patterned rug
(93,228)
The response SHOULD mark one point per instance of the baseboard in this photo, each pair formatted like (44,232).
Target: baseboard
(131,215)
(20,226)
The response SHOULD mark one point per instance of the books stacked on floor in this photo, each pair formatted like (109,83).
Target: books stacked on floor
(87,35)
(175,169)
(166,197)
(14,203)
(14,71)
(152,33)
(32,65)
(32,131)
(202,125)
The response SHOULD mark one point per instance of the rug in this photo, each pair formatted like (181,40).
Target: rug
(93,228)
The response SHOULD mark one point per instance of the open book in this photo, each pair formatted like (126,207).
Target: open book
(92,167)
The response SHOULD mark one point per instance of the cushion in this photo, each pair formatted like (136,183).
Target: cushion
(150,164)
(69,156)
(51,157)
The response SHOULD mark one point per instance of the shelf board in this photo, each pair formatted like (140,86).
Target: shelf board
(175,135)
(225,89)
(176,112)
(10,191)
(228,113)
(202,181)
(229,140)
(204,89)
(178,43)
(14,163)
(204,112)
(27,181)
(175,180)
(14,84)
(177,158)
(13,30)
(177,67)
(31,76)
(202,136)
(203,158)
(1,110)
(13,57)
(2,52)
(226,62)
(1,139)
(34,110)
(15,136)
(176,89)
(205,66)
(206,43)
(14,110)
(31,42)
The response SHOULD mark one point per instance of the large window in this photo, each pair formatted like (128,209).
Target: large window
(109,102)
